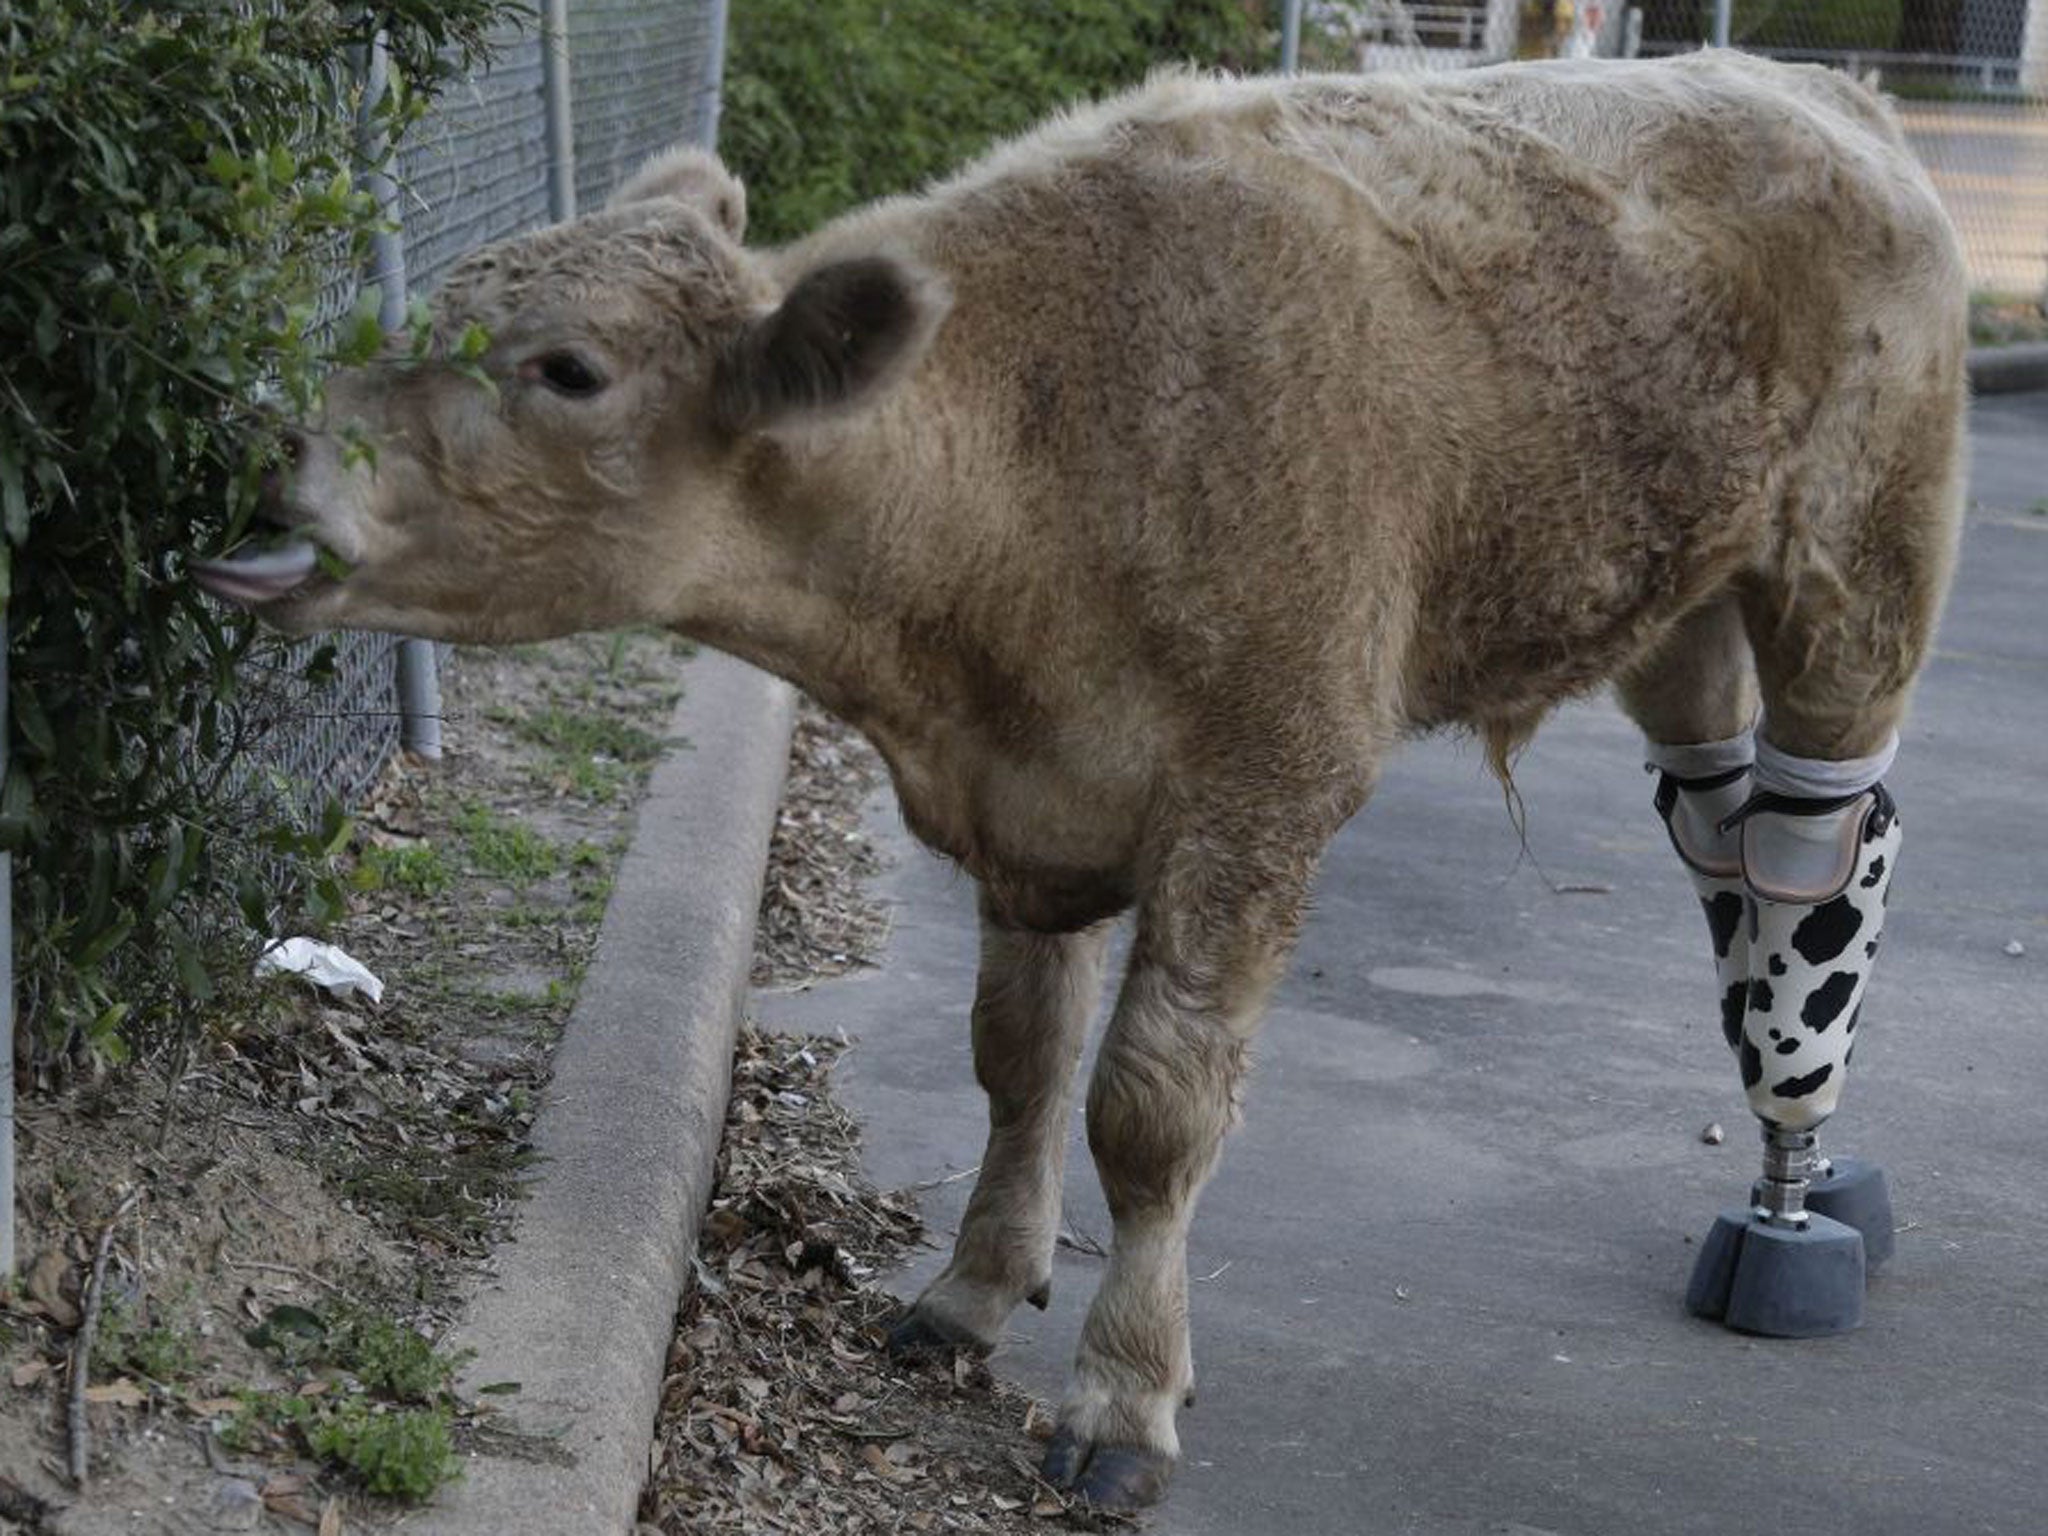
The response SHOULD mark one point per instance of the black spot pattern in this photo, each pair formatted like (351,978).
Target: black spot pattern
(1724,916)
(1749,902)
(1731,1013)
(1759,996)
(1751,1062)
(1800,1087)
(1825,932)
(1787,1047)
(1870,950)
(1855,1018)
(1869,881)
(1778,966)
(1825,1003)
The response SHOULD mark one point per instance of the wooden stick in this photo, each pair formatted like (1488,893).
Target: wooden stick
(81,1342)
(283,1269)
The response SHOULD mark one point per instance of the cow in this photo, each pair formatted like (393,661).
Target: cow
(1139,488)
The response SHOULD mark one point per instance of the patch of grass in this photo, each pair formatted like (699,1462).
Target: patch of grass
(419,870)
(587,733)
(506,850)
(595,753)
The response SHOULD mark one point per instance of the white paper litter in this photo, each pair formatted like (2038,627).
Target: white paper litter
(324,965)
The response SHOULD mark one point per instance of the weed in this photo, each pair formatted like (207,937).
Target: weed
(504,849)
(399,1451)
(388,1359)
(158,1352)
(593,753)
(403,1453)
(419,870)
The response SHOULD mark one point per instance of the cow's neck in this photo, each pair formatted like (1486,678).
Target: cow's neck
(860,573)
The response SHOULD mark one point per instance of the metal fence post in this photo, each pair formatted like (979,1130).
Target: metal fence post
(419,681)
(554,78)
(1724,14)
(6,1007)
(1290,37)
(713,98)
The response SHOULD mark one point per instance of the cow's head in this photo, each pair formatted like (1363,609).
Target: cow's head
(569,452)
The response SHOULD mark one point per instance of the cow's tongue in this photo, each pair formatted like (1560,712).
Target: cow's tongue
(260,577)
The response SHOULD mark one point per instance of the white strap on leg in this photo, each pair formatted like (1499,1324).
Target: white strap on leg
(1703,759)
(1813,778)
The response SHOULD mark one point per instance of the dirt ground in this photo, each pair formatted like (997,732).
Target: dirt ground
(782,1411)
(292,1212)
(289,1207)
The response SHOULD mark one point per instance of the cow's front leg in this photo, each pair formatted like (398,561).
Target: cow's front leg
(1032,1004)
(1164,1093)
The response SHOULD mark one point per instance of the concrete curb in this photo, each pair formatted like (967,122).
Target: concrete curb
(2007,370)
(585,1296)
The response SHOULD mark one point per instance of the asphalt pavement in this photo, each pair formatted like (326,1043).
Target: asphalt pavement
(1438,1277)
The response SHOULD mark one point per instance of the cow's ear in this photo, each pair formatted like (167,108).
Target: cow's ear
(690,175)
(842,337)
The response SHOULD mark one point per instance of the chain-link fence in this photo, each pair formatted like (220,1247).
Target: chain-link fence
(643,74)
(1970,78)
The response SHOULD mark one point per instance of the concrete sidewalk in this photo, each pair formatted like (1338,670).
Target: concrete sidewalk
(1439,1275)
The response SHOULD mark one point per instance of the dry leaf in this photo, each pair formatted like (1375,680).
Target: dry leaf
(879,1463)
(209,1406)
(123,1392)
(330,1518)
(29,1372)
(45,1287)
(1039,1422)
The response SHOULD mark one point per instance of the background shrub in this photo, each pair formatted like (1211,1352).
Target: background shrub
(178,189)
(829,103)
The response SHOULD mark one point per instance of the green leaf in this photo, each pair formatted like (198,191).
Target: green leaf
(474,342)
(105,942)
(192,972)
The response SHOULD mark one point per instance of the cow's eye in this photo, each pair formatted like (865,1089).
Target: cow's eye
(565,373)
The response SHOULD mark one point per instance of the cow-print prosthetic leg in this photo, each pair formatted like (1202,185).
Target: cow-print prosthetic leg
(1812,874)
(1817,873)
(1693,810)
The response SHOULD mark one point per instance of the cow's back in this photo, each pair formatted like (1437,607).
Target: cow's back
(1495,372)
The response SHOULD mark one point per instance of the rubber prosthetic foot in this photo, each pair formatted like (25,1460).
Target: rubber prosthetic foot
(1856,1194)
(1802,1281)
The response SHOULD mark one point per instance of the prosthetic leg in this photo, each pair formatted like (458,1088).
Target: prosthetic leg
(1801,878)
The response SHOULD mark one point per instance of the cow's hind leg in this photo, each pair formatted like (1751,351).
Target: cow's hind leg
(1839,620)
(1695,699)
(1032,1004)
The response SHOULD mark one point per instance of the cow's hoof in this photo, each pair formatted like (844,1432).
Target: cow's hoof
(1106,1476)
(914,1336)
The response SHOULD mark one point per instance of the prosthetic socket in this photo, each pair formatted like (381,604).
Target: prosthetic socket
(1794,892)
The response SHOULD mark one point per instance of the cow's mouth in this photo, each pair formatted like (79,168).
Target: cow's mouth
(279,566)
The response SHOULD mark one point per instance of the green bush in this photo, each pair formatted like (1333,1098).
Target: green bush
(178,190)
(829,103)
